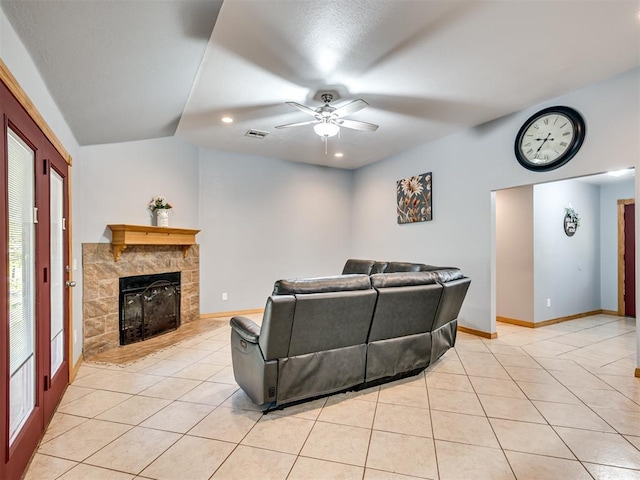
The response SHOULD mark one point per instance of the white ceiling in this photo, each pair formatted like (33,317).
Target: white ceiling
(120,70)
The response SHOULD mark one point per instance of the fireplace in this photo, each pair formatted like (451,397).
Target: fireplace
(149,305)
(101,275)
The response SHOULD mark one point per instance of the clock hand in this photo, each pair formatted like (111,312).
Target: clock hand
(543,142)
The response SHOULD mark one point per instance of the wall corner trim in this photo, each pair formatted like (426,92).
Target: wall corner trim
(478,333)
(232,313)
(73,371)
(525,323)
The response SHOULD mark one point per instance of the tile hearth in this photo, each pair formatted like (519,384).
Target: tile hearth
(518,407)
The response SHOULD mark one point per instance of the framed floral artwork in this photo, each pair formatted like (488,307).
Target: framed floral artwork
(414,199)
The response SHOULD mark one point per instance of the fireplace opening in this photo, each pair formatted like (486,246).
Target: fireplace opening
(149,306)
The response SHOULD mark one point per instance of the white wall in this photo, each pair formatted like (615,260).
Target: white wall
(265,219)
(609,196)
(18,61)
(514,253)
(466,168)
(118,180)
(566,269)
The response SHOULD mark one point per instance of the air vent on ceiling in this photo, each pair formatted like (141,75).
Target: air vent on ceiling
(256,133)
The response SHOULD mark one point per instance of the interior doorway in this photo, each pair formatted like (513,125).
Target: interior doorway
(592,274)
(626,258)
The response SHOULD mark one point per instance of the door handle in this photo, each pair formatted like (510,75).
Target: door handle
(70,283)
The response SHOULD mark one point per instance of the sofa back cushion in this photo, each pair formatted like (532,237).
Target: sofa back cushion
(403,279)
(407,304)
(379,267)
(357,266)
(275,332)
(337,283)
(453,295)
(393,267)
(445,274)
(327,321)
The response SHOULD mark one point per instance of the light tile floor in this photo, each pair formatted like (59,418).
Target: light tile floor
(558,402)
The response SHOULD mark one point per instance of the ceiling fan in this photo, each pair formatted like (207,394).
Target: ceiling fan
(328,119)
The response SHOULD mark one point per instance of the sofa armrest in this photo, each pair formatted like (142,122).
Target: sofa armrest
(246,328)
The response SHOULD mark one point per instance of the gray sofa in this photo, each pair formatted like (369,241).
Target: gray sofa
(377,322)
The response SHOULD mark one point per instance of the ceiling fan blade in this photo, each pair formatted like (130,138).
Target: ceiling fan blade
(298,124)
(356,125)
(352,107)
(303,108)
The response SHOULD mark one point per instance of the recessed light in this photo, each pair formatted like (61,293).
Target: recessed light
(226,120)
(338,154)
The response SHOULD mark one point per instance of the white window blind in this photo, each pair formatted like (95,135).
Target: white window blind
(21,281)
(57,270)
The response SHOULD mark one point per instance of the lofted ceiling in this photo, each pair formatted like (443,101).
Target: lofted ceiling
(127,70)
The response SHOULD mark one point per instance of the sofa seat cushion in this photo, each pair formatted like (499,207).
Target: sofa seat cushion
(336,283)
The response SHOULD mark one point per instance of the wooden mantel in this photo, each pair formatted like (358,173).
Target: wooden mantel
(125,235)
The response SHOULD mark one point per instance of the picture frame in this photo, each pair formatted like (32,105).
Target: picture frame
(414,199)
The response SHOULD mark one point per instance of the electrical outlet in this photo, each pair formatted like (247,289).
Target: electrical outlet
(224,296)
(548,302)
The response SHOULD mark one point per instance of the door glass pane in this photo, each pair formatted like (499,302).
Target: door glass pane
(57,272)
(21,282)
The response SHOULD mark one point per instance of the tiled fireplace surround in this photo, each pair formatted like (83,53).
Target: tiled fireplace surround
(101,275)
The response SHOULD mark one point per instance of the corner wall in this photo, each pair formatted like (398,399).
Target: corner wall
(263,220)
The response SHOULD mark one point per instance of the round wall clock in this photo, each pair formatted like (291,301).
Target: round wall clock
(550,138)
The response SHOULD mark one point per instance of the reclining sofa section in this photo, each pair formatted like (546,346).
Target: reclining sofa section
(376,322)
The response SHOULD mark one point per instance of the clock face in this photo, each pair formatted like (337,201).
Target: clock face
(550,138)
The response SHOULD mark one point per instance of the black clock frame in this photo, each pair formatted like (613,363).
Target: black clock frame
(579,133)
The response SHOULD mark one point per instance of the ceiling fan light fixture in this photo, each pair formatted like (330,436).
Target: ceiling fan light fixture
(326,129)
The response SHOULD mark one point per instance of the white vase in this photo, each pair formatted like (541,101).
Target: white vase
(162,217)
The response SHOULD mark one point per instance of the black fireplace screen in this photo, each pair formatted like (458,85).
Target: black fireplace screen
(149,306)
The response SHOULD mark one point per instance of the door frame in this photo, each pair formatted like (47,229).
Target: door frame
(621,251)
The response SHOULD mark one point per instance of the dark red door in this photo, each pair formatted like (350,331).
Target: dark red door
(55,348)
(630,260)
(33,343)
